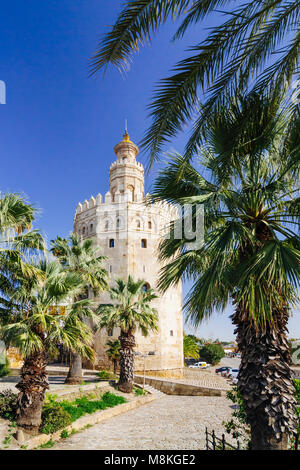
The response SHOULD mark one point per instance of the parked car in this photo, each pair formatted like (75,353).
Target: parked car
(233,373)
(221,369)
(199,365)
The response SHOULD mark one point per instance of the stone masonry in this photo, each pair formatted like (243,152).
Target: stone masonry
(127,229)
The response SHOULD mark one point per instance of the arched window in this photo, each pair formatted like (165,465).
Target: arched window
(91,227)
(111,243)
(171,333)
(118,223)
(83,230)
(138,224)
(144,243)
(149,225)
(146,287)
(106,225)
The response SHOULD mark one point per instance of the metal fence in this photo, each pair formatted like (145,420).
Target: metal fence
(216,443)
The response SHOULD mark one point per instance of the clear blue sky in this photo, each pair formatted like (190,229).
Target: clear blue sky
(59,126)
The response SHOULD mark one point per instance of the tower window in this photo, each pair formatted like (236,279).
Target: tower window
(144,243)
(146,287)
(144,269)
(106,225)
(149,225)
(91,227)
(111,243)
(138,224)
(171,333)
(83,231)
(110,268)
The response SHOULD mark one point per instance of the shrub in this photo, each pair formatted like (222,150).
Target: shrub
(212,353)
(64,434)
(106,374)
(4,368)
(54,417)
(139,391)
(8,404)
(297,387)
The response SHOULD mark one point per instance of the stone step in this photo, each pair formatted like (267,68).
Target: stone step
(154,391)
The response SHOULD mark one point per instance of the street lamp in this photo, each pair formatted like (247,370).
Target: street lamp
(150,353)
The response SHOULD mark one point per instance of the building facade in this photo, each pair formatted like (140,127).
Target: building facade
(128,230)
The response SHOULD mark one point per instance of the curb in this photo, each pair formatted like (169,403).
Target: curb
(83,422)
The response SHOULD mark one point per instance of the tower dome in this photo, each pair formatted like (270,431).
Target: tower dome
(126,174)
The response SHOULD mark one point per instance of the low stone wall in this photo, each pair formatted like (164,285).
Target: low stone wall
(166,373)
(296,372)
(177,388)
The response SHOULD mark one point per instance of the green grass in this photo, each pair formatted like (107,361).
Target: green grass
(82,406)
(47,445)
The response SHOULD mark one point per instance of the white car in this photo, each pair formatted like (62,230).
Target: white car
(233,373)
(199,365)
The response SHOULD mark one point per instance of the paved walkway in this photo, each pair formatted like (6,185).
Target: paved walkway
(170,422)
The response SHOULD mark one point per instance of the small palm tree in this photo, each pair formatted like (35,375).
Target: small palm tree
(82,258)
(250,254)
(190,347)
(17,240)
(131,311)
(37,326)
(113,352)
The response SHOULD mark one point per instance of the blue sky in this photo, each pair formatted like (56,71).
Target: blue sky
(59,126)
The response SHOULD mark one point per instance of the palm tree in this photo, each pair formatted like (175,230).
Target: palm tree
(131,311)
(17,240)
(250,254)
(82,258)
(113,352)
(42,318)
(258,45)
(190,347)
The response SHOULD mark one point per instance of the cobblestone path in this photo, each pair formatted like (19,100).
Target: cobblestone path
(170,422)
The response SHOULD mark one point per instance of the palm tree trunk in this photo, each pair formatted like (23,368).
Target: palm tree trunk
(126,361)
(75,376)
(265,380)
(32,386)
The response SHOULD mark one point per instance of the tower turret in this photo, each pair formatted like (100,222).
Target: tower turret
(126,175)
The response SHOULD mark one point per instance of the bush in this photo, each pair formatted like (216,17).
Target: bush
(212,353)
(4,368)
(8,405)
(54,417)
(297,387)
(106,374)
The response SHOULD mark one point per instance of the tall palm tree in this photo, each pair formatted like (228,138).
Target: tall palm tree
(81,257)
(190,347)
(130,311)
(113,352)
(250,254)
(257,45)
(42,318)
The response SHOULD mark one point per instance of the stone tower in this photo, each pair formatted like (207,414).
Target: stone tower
(128,232)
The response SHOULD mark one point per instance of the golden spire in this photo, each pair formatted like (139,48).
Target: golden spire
(126,137)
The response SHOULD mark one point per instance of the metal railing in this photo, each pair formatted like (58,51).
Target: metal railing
(214,442)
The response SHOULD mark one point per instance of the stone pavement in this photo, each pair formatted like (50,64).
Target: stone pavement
(170,422)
